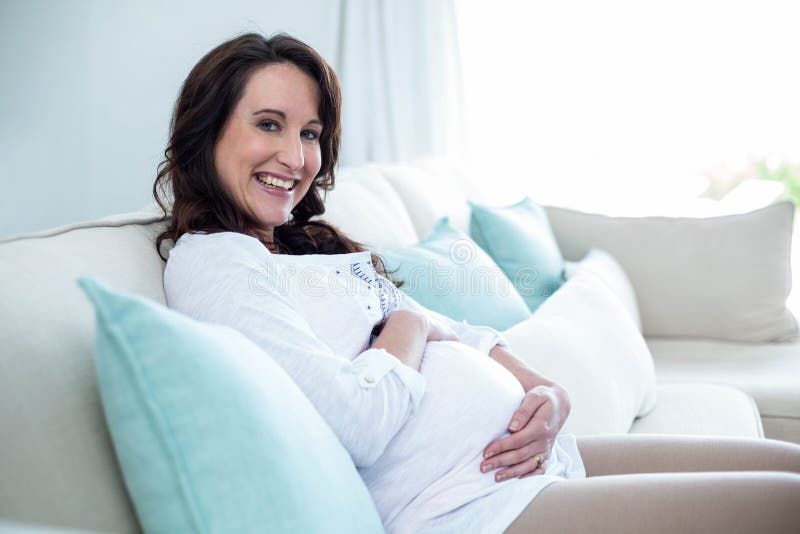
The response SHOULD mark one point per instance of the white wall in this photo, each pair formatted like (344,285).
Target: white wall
(88,88)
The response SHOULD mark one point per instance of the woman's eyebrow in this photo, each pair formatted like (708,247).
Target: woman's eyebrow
(282,115)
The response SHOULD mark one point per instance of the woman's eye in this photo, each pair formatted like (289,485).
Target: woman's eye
(269,126)
(310,135)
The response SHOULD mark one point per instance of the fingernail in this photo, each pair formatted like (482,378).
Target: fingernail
(514,425)
(486,467)
(499,477)
(488,454)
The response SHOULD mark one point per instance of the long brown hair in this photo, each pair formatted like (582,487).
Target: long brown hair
(187,183)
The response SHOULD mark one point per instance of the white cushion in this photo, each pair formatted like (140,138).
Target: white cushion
(701,409)
(720,277)
(603,265)
(770,373)
(429,196)
(583,338)
(366,208)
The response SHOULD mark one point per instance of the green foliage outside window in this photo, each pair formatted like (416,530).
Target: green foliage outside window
(722,183)
(788,175)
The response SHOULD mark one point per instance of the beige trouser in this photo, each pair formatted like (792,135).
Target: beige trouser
(673,484)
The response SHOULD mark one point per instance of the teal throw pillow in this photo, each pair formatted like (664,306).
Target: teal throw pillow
(211,434)
(448,273)
(520,240)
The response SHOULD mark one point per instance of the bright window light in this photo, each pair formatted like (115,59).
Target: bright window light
(632,107)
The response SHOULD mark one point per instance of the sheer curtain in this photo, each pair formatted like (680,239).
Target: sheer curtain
(398,63)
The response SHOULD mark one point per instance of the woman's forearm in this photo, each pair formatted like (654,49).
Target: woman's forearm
(404,336)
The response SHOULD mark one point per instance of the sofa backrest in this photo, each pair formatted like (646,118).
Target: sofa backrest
(57,465)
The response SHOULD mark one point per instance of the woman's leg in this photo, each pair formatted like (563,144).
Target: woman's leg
(619,497)
(628,454)
(763,502)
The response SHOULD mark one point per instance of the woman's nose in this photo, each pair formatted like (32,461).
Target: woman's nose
(291,153)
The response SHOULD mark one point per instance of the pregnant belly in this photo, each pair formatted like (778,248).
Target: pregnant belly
(469,397)
(469,400)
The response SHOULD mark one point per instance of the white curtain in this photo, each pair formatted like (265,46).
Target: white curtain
(398,63)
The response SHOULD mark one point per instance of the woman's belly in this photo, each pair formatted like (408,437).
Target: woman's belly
(433,463)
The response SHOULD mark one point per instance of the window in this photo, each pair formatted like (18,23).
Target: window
(634,107)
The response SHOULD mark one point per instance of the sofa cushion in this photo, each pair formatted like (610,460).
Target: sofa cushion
(367,209)
(211,433)
(448,273)
(701,409)
(431,189)
(603,265)
(518,237)
(767,372)
(724,278)
(54,436)
(583,338)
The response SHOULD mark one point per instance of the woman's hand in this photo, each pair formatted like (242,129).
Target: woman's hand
(534,427)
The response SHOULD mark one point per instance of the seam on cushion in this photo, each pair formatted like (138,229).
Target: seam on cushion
(789,417)
(778,415)
(146,220)
(160,422)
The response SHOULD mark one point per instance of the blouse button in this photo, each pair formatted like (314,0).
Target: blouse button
(369,379)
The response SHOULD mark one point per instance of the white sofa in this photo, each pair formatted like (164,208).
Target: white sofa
(57,464)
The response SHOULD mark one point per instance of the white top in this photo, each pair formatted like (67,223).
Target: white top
(416,437)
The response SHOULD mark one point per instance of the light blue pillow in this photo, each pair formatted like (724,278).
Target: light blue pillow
(211,434)
(448,273)
(520,240)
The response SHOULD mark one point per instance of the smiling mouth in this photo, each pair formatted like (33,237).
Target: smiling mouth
(271,181)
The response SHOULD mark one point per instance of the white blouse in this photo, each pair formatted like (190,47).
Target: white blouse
(416,437)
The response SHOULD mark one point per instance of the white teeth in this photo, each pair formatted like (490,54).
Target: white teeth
(280,183)
(271,180)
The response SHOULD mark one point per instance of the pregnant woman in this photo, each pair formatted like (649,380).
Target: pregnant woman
(448,429)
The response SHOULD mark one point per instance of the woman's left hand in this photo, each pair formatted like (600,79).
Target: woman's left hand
(534,427)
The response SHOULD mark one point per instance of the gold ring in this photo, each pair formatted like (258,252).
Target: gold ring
(539,461)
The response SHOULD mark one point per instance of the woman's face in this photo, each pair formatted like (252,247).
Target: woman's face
(269,151)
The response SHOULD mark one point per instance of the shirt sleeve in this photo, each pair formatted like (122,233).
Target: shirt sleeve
(481,338)
(365,400)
